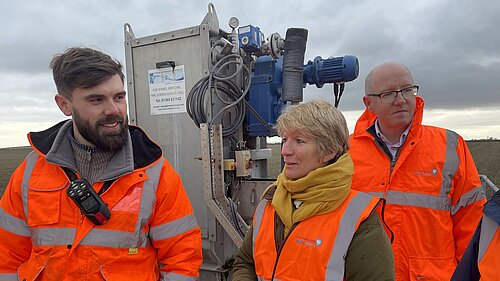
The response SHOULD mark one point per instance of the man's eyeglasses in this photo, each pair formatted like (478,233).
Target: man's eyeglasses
(390,96)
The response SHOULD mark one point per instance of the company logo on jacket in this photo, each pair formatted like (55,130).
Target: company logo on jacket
(426,173)
(308,241)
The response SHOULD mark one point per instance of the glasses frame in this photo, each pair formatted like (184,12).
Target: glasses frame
(394,94)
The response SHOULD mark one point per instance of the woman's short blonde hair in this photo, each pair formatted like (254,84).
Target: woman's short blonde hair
(319,120)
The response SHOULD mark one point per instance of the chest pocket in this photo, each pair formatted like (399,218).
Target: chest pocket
(44,200)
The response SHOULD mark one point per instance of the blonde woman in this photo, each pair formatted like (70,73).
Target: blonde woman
(310,225)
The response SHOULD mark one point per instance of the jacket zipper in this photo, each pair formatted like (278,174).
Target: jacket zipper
(395,158)
(281,248)
(89,154)
(392,160)
(393,163)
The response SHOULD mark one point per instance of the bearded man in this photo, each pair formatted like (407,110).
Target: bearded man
(95,199)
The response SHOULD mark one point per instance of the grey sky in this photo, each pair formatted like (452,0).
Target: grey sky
(452,48)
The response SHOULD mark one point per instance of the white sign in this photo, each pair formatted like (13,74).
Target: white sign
(167,90)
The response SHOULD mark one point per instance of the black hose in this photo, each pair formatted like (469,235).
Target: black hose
(293,64)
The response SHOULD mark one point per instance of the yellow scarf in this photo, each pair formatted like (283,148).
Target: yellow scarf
(321,191)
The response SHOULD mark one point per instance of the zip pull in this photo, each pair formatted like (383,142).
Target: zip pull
(89,154)
(392,165)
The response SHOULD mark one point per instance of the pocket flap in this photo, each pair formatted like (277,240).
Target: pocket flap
(30,270)
(44,204)
(430,269)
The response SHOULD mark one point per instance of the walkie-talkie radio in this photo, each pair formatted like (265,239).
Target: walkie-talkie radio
(91,204)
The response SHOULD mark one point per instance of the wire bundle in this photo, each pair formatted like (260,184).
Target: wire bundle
(226,92)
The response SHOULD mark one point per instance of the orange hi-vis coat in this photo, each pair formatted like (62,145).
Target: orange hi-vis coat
(489,250)
(433,194)
(152,233)
(315,248)
(481,259)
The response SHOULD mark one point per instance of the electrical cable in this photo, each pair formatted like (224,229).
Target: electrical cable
(220,85)
(234,216)
(338,94)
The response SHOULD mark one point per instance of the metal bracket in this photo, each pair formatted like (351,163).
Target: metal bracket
(213,182)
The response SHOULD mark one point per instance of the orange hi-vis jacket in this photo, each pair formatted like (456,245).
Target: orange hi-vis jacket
(489,250)
(481,260)
(152,233)
(432,190)
(315,248)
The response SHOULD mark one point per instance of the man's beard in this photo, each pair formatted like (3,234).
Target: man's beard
(105,141)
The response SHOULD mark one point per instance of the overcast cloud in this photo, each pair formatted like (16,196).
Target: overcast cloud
(451,47)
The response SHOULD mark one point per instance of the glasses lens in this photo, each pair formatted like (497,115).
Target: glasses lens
(409,92)
(388,97)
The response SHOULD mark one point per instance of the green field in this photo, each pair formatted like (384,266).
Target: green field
(486,155)
(10,158)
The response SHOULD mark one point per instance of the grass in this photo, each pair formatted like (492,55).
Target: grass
(10,158)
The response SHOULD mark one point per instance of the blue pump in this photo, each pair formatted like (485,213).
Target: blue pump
(265,94)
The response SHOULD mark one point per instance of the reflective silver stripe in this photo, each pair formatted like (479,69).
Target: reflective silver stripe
(13,224)
(450,166)
(346,230)
(173,228)
(96,237)
(468,198)
(8,277)
(170,276)
(30,164)
(53,236)
(430,201)
(376,194)
(259,212)
(113,239)
(488,229)
(415,200)
(148,199)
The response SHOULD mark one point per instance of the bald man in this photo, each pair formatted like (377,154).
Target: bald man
(425,174)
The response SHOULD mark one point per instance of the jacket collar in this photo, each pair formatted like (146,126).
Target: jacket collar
(367,119)
(139,150)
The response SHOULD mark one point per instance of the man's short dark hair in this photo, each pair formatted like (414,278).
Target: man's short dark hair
(81,67)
